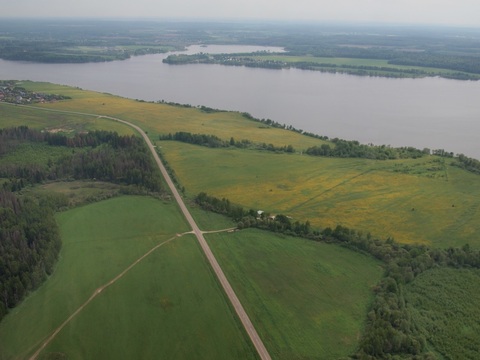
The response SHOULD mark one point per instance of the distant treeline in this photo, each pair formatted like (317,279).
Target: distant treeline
(427,56)
(390,330)
(461,65)
(100,155)
(252,60)
(45,51)
(29,247)
(48,52)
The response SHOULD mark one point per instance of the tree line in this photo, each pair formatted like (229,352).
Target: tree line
(213,141)
(341,148)
(353,149)
(467,163)
(462,161)
(390,330)
(29,246)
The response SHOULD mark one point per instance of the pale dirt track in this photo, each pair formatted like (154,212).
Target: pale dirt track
(241,313)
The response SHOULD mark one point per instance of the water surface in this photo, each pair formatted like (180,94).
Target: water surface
(431,112)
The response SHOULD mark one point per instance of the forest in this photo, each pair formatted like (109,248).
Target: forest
(100,155)
(29,238)
(29,246)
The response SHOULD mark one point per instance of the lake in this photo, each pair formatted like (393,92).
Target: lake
(430,112)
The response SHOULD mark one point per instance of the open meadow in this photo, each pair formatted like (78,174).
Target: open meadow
(414,201)
(167,306)
(308,300)
(422,200)
(164,119)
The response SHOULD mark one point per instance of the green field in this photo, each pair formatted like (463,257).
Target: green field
(168,306)
(444,305)
(416,200)
(308,300)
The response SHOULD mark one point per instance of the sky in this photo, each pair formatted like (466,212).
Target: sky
(438,12)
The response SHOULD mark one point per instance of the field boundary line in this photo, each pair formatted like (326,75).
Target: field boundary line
(341,183)
(98,291)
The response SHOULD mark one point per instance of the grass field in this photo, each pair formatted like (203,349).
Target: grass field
(444,304)
(416,201)
(165,119)
(168,306)
(426,200)
(51,121)
(308,300)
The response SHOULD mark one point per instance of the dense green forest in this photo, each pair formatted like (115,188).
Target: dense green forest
(390,330)
(29,246)
(100,155)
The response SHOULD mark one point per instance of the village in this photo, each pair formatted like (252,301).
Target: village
(12,93)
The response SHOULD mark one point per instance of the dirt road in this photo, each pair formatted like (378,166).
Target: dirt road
(241,313)
(252,333)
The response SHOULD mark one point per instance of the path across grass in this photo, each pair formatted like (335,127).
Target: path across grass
(166,306)
(95,294)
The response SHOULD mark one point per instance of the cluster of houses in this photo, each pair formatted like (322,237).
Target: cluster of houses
(11,93)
